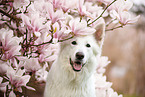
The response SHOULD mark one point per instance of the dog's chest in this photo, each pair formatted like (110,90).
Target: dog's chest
(71,90)
(67,84)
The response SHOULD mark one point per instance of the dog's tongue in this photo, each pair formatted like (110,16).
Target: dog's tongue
(77,66)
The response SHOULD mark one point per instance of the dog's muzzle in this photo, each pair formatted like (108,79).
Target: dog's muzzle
(78,63)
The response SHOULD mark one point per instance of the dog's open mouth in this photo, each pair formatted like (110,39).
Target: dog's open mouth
(76,65)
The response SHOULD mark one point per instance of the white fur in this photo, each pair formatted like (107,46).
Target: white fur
(63,81)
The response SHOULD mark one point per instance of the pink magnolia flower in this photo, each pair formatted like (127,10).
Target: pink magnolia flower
(20,4)
(94,10)
(1,22)
(17,79)
(10,44)
(69,4)
(103,87)
(124,17)
(41,74)
(103,62)
(57,4)
(32,65)
(60,32)
(3,85)
(48,52)
(120,11)
(80,28)
(123,5)
(10,54)
(101,83)
(44,37)
(33,22)
(3,67)
(111,93)
(46,58)
(106,2)
(81,8)
(65,33)
(56,32)
(12,94)
(54,16)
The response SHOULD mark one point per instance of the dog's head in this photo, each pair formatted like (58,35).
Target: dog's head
(81,51)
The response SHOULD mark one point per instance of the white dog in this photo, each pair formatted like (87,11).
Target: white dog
(72,74)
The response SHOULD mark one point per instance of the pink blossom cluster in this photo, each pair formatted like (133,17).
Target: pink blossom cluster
(103,88)
(31,31)
(120,11)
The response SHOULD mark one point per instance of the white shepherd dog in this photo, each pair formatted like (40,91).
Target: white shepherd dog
(72,74)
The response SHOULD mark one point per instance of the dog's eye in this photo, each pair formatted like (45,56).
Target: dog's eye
(88,45)
(74,42)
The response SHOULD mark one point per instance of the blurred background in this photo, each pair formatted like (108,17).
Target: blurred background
(126,51)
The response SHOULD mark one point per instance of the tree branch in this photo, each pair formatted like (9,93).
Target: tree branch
(12,17)
(42,43)
(102,13)
(114,28)
(110,22)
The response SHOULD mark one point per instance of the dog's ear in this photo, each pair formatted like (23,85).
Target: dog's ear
(100,32)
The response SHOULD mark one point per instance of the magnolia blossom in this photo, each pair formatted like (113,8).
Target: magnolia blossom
(3,85)
(120,12)
(80,27)
(33,22)
(56,33)
(9,44)
(103,62)
(38,6)
(106,2)
(60,32)
(41,74)
(17,79)
(12,94)
(124,17)
(1,22)
(101,82)
(48,52)
(103,88)
(18,4)
(94,10)
(81,8)
(68,4)
(44,37)
(3,67)
(123,5)
(54,16)
(32,65)
(111,93)
(57,3)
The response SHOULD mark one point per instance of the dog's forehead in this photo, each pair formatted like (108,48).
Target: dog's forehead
(88,39)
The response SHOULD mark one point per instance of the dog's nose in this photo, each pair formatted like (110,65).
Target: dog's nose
(79,55)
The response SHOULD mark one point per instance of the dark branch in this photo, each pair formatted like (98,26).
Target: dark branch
(10,16)
(114,28)
(102,13)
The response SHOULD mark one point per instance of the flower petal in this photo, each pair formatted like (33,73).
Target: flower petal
(30,88)
(1,79)
(25,79)
(12,94)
